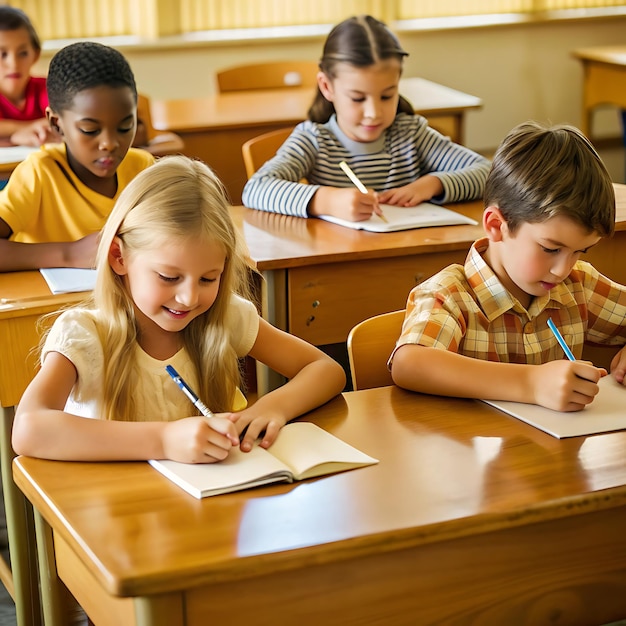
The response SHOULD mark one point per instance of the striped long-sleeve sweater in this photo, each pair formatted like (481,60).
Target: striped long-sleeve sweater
(408,149)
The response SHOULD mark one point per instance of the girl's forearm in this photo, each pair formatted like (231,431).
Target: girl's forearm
(51,434)
(314,385)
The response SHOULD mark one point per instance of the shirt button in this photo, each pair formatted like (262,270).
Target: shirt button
(528,328)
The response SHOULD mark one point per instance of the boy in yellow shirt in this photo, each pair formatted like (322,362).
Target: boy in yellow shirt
(57,200)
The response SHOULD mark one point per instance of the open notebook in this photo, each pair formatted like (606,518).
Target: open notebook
(301,450)
(606,413)
(404,218)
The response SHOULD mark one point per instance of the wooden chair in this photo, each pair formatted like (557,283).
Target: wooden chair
(158,143)
(271,75)
(259,149)
(370,344)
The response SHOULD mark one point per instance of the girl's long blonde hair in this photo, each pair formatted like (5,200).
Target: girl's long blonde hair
(177,199)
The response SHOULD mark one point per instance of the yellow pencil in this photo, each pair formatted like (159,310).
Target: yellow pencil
(359,185)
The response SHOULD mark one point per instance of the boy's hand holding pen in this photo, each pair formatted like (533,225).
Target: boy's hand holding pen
(566,388)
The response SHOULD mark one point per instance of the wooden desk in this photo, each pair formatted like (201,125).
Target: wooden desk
(470,517)
(322,279)
(604,80)
(24,298)
(215,127)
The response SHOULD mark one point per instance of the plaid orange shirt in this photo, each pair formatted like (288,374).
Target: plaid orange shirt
(466,309)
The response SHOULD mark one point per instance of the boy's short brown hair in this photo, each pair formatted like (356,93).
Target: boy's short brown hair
(540,171)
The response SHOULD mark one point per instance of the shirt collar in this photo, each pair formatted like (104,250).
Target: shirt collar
(354,147)
(495,299)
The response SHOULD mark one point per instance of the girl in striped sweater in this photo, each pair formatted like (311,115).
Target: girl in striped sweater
(359,116)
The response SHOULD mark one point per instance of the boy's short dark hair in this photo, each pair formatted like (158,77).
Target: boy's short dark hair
(84,65)
(540,171)
(14,19)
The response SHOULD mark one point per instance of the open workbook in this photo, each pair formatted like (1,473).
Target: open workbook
(301,450)
(606,413)
(404,218)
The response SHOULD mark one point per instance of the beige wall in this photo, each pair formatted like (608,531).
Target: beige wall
(520,72)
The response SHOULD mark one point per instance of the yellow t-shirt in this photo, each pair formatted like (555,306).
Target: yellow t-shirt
(45,201)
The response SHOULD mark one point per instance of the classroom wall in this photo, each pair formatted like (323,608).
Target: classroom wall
(520,72)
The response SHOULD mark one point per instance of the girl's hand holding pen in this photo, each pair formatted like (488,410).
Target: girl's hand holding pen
(199,440)
(346,203)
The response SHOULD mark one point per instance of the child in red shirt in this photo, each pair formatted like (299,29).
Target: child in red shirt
(23,98)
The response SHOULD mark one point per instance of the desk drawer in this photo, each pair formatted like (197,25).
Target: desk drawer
(326,301)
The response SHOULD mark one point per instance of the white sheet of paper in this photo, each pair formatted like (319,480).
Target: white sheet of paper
(606,413)
(405,218)
(69,279)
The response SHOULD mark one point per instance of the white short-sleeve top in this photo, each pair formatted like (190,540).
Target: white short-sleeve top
(157,397)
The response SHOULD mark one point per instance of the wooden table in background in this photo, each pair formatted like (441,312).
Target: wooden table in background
(604,80)
(471,516)
(215,127)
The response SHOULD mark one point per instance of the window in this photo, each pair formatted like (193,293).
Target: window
(63,19)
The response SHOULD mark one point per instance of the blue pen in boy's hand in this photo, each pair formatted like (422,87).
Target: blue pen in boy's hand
(186,389)
(559,338)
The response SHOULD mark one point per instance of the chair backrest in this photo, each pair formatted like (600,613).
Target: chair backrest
(259,149)
(271,75)
(159,143)
(370,344)
(144,114)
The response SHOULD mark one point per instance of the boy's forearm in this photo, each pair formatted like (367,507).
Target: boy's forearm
(16,256)
(441,372)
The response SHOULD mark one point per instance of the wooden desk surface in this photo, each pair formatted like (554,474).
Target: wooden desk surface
(613,55)
(24,298)
(287,106)
(280,241)
(452,472)
(604,81)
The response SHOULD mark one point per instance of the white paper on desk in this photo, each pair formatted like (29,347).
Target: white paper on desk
(606,413)
(69,279)
(405,218)
(15,154)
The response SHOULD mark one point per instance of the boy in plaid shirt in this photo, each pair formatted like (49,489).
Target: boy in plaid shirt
(478,330)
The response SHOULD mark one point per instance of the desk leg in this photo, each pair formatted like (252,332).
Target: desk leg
(166,610)
(21,532)
(274,310)
(53,592)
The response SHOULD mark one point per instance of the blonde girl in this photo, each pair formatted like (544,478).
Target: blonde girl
(171,269)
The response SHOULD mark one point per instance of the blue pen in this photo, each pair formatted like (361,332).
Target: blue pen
(186,389)
(559,338)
